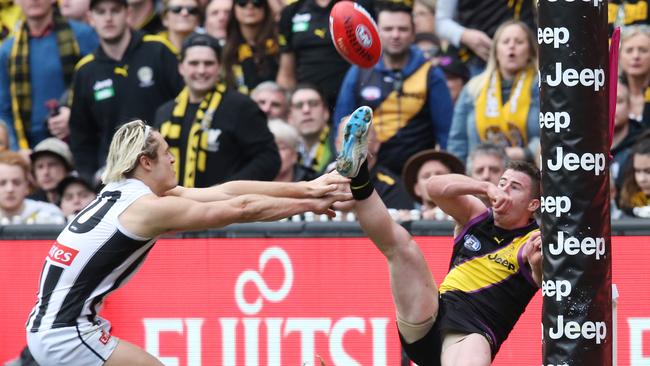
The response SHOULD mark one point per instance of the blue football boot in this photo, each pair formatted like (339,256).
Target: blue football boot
(355,142)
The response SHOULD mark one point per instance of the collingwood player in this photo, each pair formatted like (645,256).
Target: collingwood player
(105,244)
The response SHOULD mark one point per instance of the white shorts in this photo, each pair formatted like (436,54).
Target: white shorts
(87,344)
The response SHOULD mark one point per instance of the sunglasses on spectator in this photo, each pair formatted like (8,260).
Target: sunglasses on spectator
(243,3)
(312,103)
(177,9)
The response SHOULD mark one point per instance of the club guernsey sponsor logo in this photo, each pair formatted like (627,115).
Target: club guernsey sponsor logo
(62,254)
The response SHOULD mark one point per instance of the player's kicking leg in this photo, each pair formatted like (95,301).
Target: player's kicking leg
(414,292)
(128,354)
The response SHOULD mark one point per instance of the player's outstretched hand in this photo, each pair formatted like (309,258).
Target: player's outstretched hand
(324,205)
(325,184)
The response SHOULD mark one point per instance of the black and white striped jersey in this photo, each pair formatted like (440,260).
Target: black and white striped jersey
(93,256)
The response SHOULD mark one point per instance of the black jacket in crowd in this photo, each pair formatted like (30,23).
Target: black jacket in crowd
(108,92)
(244,148)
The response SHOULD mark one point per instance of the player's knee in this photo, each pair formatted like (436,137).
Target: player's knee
(478,357)
(407,251)
(413,332)
(465,350)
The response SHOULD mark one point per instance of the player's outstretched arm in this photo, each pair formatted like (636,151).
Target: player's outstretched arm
(151,215)
(455,195)
(319,187)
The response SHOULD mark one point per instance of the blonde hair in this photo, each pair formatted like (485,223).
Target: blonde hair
(632,30)
(132,140)
(475,85)
(285,133)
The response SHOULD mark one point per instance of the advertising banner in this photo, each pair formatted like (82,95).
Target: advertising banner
(573,73)
(283,301)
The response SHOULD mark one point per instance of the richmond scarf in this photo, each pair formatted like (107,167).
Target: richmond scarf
(504,124)
(197,140)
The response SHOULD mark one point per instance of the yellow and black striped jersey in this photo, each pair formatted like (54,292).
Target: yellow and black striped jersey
(489,283)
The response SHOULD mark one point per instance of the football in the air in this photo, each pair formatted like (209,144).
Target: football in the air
(355,34)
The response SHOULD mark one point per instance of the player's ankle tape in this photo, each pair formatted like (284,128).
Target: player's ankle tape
(361,186)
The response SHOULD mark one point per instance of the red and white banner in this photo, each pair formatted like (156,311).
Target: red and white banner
(290,302)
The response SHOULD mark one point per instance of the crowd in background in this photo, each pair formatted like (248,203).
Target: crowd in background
(254,89)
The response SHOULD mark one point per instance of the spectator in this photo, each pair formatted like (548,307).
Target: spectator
(307,54)
(51,163)
(635,69)
(626,132)
(271,99)
(180,18)
(75,9)
(455,71)
(217,14)
(310,116)
(15,207)
(143,16)
(53,43)
(107,92)
(487,162)
(288,141)
(470,24)
(215,134)
(75,194)
(635,194)
(411,103)
(417,171)
(488,111)
(424,16)
(4,136)
(251,52)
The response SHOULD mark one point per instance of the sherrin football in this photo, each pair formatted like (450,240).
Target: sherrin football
(355,34)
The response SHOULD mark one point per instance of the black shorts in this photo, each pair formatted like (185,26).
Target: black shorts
(425,351)
(452,316)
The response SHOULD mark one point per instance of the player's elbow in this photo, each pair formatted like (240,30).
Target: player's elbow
(436,186)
